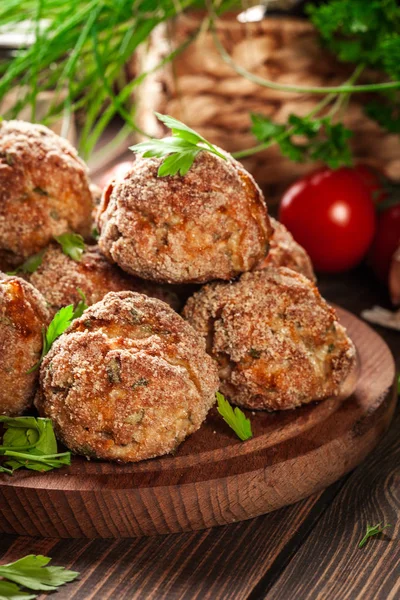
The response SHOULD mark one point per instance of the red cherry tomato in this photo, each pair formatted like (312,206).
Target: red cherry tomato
(374,181)
(386,241)
(115,172)
(331,214)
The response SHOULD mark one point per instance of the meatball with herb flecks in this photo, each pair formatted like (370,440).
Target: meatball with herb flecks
(278,344)
(211,223)
(44,190)
(61,279)
(284,251)
(23,314)
(129,380)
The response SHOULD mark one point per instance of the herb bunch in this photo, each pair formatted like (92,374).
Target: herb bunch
(30,442)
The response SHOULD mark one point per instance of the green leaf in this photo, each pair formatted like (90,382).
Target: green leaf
(32,572)
(179,151)
(387,116)
(81,306)
(30,442)
(61,321)
(371,531)
(10,591)
(30,265)
(235,418)
(264,129)
(72,245)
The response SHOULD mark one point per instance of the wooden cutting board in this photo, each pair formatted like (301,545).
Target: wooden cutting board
(214,478)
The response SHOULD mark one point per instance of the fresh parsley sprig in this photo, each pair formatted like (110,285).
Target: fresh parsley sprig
(30,442)
(33,573)
(371,531)
(72,244)
(235,418)
(81,306)
(30,265)
(178,151)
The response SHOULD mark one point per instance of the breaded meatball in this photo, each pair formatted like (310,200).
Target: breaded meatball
(211,223)
(284,251)
(44,190)
(277,342)
(23,314)
(59,278)
(129,380)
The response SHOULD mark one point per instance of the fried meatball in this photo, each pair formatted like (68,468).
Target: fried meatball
(284,251)
(23,314)
(211,223)
(59,278)
(277,342)
(44,190)
(129,380)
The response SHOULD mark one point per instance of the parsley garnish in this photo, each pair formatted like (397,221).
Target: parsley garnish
(372,530)
(81,306)
(30,265)
(178,151)
(33,573)
(72,244)
(323,140)
(235,418)
(30,442)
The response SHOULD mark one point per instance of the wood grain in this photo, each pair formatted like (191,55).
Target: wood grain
(214,479)
(330,564)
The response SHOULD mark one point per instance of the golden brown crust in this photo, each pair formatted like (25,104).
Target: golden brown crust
(210,224)
(44,190)
(129,380)
(277,342)
(284,251)
(23,314)
(59,277)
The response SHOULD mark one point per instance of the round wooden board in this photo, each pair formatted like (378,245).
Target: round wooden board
(214,478)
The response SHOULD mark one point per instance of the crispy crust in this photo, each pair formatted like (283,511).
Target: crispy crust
(210,224)
(284,251)
(23,313)
(44,190)
(59,277)
(277,342)
(129,380)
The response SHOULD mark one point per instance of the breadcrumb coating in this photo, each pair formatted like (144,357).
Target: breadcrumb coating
(278,344)
(129,380)
(210,224)
(284,251)
(44,190)
(59,278)
(23,314)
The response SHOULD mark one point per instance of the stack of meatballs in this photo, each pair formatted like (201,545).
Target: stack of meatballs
(131,378)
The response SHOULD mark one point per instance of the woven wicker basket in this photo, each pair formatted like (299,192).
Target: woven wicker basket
(200,89)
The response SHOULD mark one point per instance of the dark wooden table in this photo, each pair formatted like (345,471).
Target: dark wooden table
(309,550)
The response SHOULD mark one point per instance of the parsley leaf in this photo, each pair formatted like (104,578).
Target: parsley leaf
(72,245)
(235,418)
(30,265)
(32,572)
(81,306)
(388,117)
(30,442)
(319,138)
(372,530)
(61,321)
(178,151)
(10,591)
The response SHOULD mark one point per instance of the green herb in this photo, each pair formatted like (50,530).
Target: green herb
(81,306)
(178,151)
(40,191)
(30,265)
(141,382)
(235,418)
(95,233)
(322,140)
(30,442)
(72,244)
(372,530)
(33,573)
(61,321)
(255,353)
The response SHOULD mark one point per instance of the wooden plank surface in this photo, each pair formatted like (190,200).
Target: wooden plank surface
(267,557)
